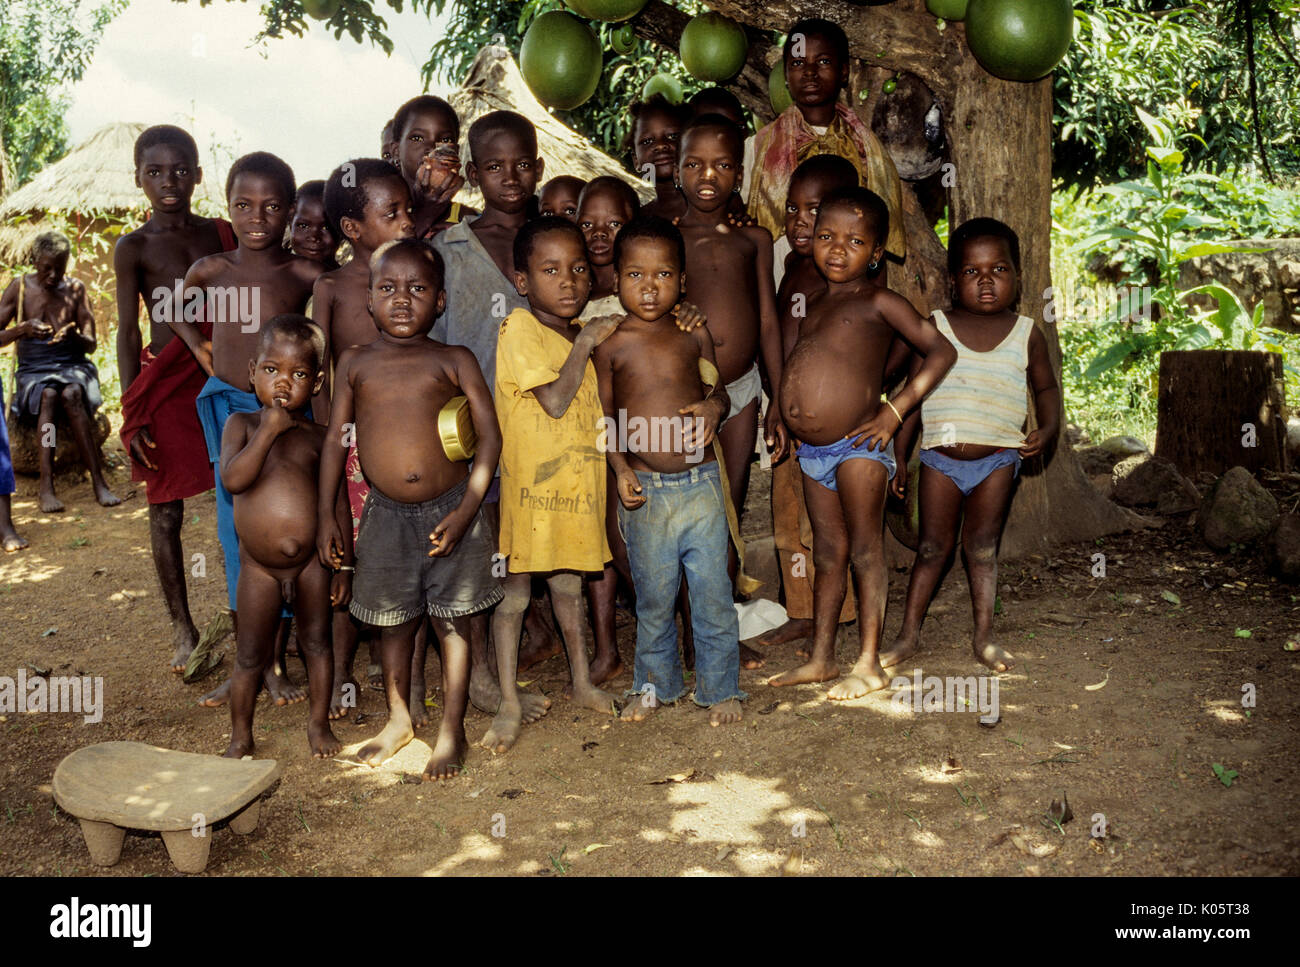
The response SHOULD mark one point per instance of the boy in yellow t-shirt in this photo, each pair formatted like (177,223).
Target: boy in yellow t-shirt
(552,474)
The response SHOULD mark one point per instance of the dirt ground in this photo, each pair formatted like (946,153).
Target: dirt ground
(1124,699)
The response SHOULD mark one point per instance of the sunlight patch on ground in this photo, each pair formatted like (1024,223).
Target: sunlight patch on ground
(733,808)
(1225,710)
(473,848)
(28,567)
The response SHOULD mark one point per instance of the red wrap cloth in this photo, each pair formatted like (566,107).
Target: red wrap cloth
(161,400)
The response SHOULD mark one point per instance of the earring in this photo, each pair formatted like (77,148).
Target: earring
(873,266)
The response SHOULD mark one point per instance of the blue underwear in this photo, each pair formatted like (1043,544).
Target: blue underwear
(969,474)
(821,463)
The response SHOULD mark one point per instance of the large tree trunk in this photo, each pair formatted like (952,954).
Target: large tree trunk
(1000,142)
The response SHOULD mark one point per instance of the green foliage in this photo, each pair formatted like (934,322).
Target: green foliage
(45,45)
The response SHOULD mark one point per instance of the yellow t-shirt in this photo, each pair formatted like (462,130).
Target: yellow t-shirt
(552,474)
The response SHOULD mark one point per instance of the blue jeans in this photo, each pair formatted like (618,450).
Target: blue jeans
(683,526)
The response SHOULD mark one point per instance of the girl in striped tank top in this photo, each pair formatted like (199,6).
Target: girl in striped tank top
(973,438)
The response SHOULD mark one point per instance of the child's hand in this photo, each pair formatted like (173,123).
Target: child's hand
(775,434)
(898,486)
(880,427)
(1033,444)
(690,316)
(203,356)
(629,489)
(448,532)
(704,418)
(341,589)
(329,543)
(276,418)
(438,176)
(599,329)
(141,442)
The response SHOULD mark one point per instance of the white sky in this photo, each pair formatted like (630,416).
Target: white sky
(313,100)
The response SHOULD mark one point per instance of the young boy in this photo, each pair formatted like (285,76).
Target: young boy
(388,144)
(656,127)
(269,462)
(257,281)
(310,234)
(424,546)
(552,476)
(10,539)
(731,267)
(162,381)
(54,373)
(672,509)
(426,132)
(816,58)
(560,196)
(830,400)
(367,203)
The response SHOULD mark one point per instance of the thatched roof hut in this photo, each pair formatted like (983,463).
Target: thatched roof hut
(495,84)
(92,182)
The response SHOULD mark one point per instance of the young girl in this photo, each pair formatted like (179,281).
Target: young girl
(552,474)
(973,439)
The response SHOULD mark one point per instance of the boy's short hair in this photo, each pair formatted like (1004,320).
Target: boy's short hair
(836,171)
(310,189)
(291,325)
(346,193)
(264,163)
(526,238)
(872,205)
(562,180)
(656,102)
(424,102)
(649,226)
(616,185)
(497,122)
(53,244)
(981,228)
(415,246)
(178,138)
(718,123)
(817,27)
(716,100)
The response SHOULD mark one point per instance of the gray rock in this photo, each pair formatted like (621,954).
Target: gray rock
(1123,446)
(1284,548)
(1095,460)
(1237,510)
(25,444)
(1147,481)
(1076,437)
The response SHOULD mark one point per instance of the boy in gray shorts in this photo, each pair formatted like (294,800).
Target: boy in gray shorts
(423,546)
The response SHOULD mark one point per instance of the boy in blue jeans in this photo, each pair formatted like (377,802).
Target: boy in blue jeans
(658,432)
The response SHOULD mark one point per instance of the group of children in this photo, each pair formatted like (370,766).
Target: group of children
(603,361)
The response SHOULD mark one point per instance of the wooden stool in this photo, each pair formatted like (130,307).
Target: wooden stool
(115,786)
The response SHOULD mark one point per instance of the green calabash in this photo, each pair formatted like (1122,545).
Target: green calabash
(947,9)
(777,91)
(713,48)
(623,40)
(611,11)
(1019,40)
(560,59)
(321,9)
(665,84)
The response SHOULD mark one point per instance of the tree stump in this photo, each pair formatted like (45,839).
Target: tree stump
(25,443)
(1221,409)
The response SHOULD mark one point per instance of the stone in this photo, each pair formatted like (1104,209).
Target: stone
(25,444)
(1236,510)
(1271,277)
(1284,548)
(1095,461)
(1147,481)
(1076,436)
(1120,447)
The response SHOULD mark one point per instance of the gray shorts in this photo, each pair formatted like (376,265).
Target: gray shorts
(397,580)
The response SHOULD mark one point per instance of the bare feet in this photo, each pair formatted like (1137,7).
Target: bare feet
(593,698)
(533,706)
(639,709)
(281,690)
(419,711)
(792,630)
(724,713)
(322,741)
(344,698)
(994,657)
(504,731)
(484,692)
(749,658)
(375,676)
(448,757)
(218,697)
(540,642)
(105,496)
(49,503)
(238,749)
(903,648)
(861,680)
(606,667)
(13,543)
(185,639)
(808,672)
(386,744)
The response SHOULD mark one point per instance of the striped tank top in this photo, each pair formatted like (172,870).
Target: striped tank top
(983,398)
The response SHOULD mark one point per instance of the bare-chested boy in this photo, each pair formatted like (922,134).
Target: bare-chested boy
(425,546)
(227,298)
(830,398)
(367,203)
(425,146)
(269,462)
(671,490)
(656,128)
(161,381)
(310,234)
(560,195)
